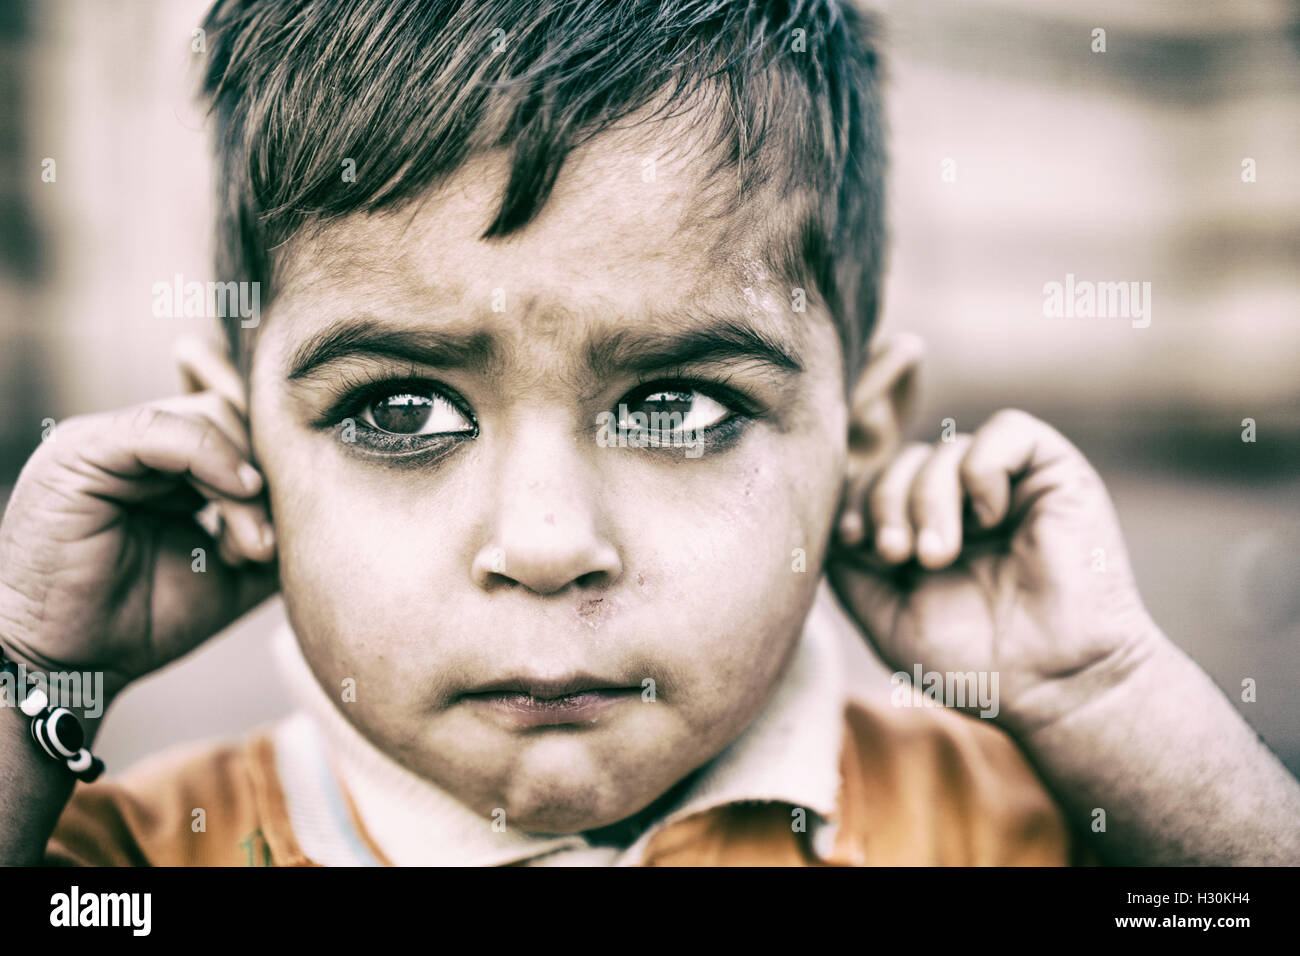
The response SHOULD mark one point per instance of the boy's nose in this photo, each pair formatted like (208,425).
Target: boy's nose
(546,532)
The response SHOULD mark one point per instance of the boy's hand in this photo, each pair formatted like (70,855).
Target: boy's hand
(998,551)
(102,563)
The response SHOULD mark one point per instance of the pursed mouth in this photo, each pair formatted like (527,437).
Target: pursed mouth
(531,703)
(554,705)
(543,691)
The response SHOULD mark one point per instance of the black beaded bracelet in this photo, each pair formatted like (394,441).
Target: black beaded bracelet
(56,730)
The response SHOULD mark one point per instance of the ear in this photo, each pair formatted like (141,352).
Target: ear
(882,401)
(204,366)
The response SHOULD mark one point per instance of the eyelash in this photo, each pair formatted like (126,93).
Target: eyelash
(724,434)
(354,396)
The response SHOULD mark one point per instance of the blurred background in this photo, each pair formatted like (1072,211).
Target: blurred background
(1022,152)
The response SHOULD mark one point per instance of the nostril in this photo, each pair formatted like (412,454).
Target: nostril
(493,581)
(595,580)
(548,563)
(543,581)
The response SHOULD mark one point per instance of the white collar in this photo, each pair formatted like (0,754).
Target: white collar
(789,753)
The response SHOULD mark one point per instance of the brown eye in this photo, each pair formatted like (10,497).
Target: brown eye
(669,402)
(416,413)
(674,409)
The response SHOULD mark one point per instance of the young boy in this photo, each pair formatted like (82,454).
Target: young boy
(560,405)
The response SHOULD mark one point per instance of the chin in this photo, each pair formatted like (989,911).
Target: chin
(559,795)
(568,809)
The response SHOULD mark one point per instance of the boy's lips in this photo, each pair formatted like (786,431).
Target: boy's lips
(531,702)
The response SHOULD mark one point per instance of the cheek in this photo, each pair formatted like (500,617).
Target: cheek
(364,577)
(730,559)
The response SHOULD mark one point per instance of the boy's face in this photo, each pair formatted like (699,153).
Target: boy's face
(500,584)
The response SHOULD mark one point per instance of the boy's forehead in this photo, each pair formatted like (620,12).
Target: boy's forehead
(630,230)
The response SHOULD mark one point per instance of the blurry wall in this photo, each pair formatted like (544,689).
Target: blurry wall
(1020,155)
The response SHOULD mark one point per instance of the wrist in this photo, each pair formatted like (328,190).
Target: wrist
(63,710)
(1114,683)
(86,692)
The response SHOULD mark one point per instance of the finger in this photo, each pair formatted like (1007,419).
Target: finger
(136,442)
(228,551)
(242,539)
(1003,448)
(216,407)
(205,367)
(245,523)
(986,477)
(887,503)
(935,503)
(244,527)
(165,494)
(852,525)
(253,529)
(211,520)
(246,531)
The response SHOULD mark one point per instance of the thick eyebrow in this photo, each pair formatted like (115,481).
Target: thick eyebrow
(433,347)
(717,339)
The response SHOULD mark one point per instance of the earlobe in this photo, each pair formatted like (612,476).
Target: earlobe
(882,400)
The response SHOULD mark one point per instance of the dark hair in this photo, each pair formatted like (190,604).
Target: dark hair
(411,88)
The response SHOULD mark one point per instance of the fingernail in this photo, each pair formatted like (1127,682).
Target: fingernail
(268,537)
(249,477)
(891,540)
(851,528)
(929,544)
